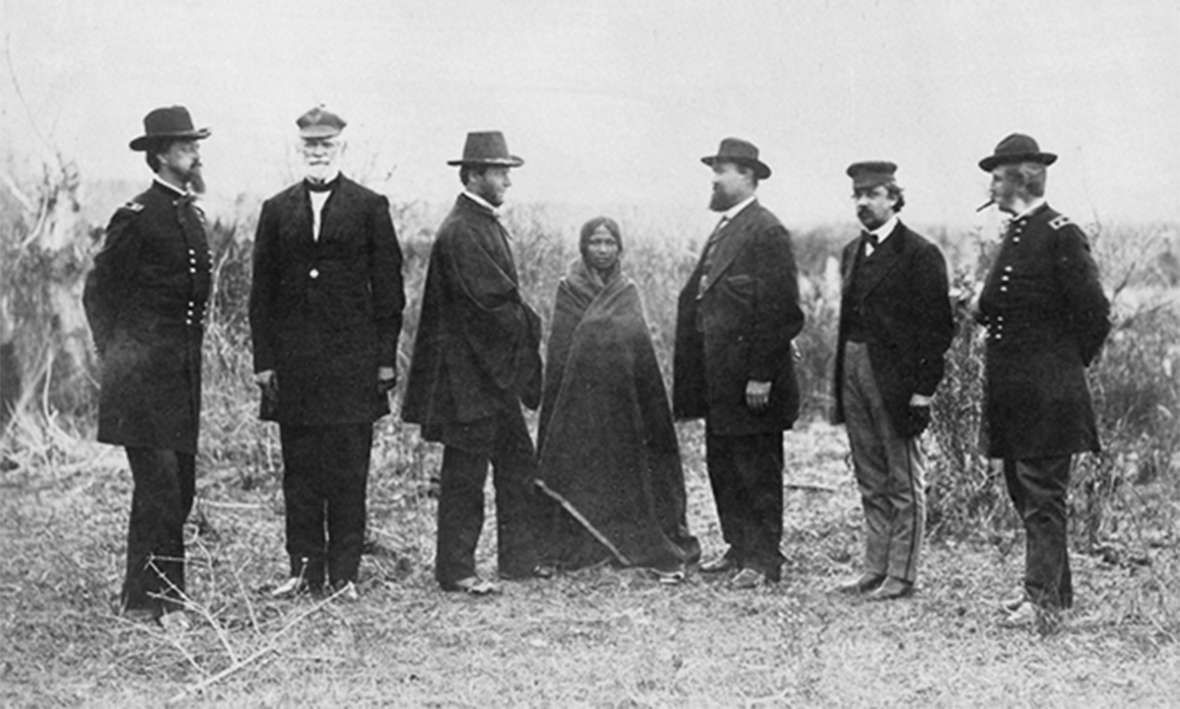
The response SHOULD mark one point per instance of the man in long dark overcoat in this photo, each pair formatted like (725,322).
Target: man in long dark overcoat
(1046,318)
(325,314)
(475,360)
(145,301)
(895,326)
(733,363)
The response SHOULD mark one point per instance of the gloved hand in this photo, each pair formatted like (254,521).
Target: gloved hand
(916,420)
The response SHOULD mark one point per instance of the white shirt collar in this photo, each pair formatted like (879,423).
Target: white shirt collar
(482,202)
(1034,206)
(882,232)
(732,212)
(171,188)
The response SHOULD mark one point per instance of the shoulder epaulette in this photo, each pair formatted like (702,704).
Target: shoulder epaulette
(1058,221)
(132,206)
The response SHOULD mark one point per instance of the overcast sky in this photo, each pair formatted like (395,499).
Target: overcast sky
(615,102)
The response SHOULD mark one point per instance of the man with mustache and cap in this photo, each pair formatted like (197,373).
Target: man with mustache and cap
(325,315)
(475,361)
(145,301)
(895,326)
(733,364)
(1046,318)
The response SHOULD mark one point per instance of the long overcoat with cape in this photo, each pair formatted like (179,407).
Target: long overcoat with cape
(607,443)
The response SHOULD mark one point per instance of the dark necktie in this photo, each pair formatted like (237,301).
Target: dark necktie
(321,186)
(870,238)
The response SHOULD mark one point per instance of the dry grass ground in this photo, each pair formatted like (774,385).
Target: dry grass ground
(599,637)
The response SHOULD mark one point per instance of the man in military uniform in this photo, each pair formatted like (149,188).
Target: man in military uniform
(475,361)
(325,314)
(145,301)
(895,326)
(1046,318)
(733,364)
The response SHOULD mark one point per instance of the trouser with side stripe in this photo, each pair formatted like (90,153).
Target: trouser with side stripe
(890,472)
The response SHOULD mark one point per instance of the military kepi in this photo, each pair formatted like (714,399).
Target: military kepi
(871,173)
(487,148)
(740,152)
(168,123)
(319,122)
(1016,148)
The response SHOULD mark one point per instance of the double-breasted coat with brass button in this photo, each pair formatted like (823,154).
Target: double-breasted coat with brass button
(1046,318)
(145,300)
(326,313)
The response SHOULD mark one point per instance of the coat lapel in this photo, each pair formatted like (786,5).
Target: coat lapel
(885,258)
(730,242)
(299,209)
(848,265)
(336,209)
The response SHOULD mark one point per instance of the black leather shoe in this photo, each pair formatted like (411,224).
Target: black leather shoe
(721,564)
(540,571)
(862,584)
(472,586)
(748,578)
(1011,604)
(891,589)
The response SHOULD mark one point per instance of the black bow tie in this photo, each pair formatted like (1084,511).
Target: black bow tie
(322,186)
(870,237)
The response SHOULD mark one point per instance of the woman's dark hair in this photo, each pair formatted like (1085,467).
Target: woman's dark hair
(593,225)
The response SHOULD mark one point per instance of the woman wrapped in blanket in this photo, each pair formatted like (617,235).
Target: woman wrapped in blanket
(607,447)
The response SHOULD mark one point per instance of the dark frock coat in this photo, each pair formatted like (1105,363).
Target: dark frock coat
(476,351)
(326,313)
(145,301)
(738,328)
(906,307)
(1046,318)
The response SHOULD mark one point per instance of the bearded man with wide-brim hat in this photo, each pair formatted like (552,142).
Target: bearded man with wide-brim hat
(325,315)
(733,363)
(145,300)
(1046,317)
(475,361)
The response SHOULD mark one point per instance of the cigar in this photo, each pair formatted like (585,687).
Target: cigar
(985,205)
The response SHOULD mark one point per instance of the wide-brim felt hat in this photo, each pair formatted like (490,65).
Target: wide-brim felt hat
(741,152)
(1016,148)
(168,122)
(487,148)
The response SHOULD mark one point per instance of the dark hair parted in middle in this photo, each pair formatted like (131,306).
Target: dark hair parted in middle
(593,225)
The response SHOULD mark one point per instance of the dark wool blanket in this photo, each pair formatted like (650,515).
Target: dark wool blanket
(606,440)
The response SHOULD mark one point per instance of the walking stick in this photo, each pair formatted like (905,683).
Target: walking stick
(581,518)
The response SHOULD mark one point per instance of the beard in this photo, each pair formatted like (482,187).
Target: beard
(196,180)
(321,172)
(869,220)
(720,201)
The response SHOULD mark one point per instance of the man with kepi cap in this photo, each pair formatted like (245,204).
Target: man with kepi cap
(475,361)
(145,301)
(1046,318)
(895,326)
(325,314)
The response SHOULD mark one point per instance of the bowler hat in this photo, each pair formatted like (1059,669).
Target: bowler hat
(739,151)
(172,122)
(320,123)
(871,173)
(487,148)
(1016,148)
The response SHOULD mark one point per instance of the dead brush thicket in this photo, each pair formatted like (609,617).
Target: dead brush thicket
(602,635)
